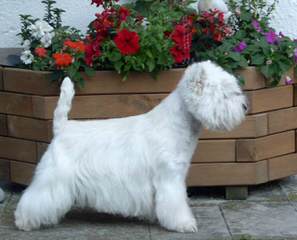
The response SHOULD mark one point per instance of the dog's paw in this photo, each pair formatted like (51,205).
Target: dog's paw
(21,225)
(183,226)
(189,226)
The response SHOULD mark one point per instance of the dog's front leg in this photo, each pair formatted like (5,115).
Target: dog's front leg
(172,208)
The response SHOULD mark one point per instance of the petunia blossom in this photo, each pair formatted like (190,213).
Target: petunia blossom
(271,37)
(127,42)
(256,25)
(240,47)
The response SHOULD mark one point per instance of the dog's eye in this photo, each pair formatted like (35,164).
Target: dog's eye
(245,107)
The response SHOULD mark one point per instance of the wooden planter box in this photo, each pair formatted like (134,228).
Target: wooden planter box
(260,150)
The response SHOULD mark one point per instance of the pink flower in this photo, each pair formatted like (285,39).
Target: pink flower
(256,25)
(288,80)
(271,37)
(240,47)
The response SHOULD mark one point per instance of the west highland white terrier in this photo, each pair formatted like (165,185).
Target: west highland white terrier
(134,166)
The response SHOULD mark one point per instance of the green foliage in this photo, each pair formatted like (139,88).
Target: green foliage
(52,14)
(26,22)
(59,34)
(155,23)
(259,9)
(172,7)
(272,59)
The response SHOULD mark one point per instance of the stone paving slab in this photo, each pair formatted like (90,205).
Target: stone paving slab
(258,219)
(76,225)
(211,225)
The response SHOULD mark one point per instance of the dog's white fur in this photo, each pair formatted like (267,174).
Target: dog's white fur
(134,166)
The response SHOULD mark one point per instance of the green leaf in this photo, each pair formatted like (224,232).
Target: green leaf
(258,60)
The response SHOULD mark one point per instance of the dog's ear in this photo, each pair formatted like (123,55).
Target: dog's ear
(194,79)
(201,81)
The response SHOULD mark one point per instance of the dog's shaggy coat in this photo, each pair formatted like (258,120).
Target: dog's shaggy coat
(134,166)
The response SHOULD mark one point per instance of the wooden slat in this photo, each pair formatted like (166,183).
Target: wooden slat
(255,80)
(18,149)
(103,82)
(17,104)
(264,100)
(253,126)
(41,130)
(249,150)
(284,166)
(1,78)
(21,172)
(109,82)
(27,81)
(227,174)
(215,151)
(252,78)
(29,128)
(295,95)
(282,120)
(4,170)
(3,125)
(99,106)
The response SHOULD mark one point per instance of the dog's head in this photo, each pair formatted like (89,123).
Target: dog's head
(213,96)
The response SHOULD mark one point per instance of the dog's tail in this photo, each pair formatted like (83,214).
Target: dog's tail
(64,105)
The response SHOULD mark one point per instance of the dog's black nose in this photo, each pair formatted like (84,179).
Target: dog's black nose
(245,107)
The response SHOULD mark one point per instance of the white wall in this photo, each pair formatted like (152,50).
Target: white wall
(79,13)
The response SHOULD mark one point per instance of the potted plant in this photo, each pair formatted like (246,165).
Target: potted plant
(131,59)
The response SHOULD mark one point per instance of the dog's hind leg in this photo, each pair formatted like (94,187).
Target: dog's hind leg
(45,201)
(172,208)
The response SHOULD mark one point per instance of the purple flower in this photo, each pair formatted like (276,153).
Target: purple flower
(295,55)
(271,37)
(288,80)
(256,25)
(240,47)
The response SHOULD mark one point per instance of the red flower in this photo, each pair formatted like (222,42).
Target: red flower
(101,2)
(62,59)
(221,17)
(214,27)
(40,52)
(182,37)
(179,33)
(180,54)
(218,37)
(124,13)
(92,51)
(127,42)
(97,2)
(78,46)
(104,21)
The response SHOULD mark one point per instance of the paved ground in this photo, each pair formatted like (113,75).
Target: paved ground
(269,213)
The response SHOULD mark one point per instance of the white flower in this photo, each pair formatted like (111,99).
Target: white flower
(40,28)
(27,57)
(145,23)
(26,44)
(46,40)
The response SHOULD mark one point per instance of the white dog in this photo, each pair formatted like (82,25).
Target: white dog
(134,166)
